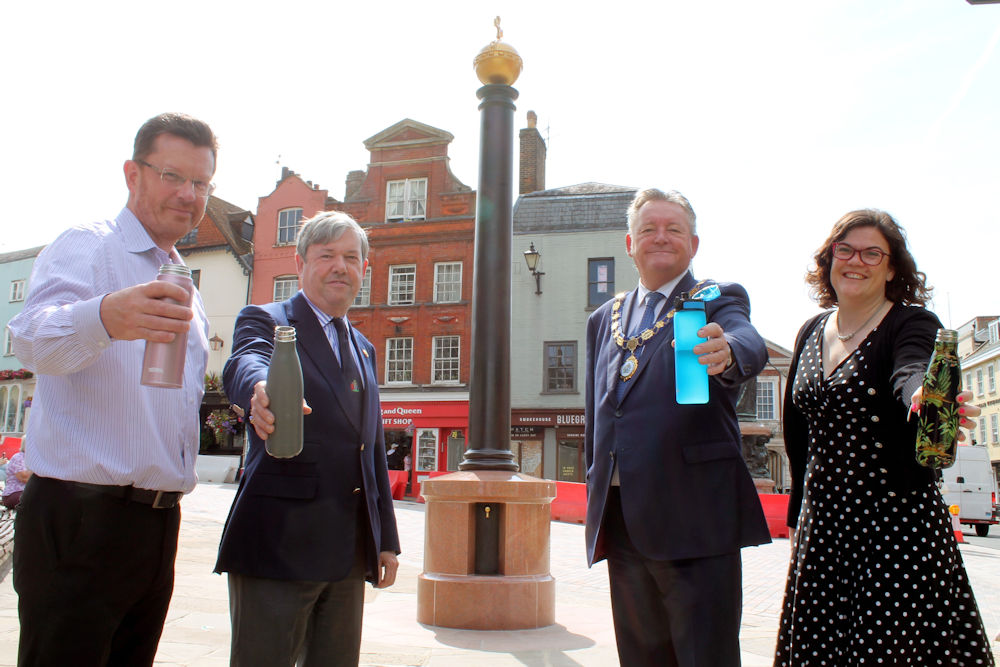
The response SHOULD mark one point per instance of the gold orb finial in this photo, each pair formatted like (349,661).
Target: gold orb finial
(498,62)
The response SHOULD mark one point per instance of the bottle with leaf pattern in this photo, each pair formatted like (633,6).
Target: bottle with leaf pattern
(937,426)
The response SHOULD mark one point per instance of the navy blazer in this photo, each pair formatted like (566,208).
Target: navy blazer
(296,519)
(685,489)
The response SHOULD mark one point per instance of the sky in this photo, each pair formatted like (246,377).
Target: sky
(774,118)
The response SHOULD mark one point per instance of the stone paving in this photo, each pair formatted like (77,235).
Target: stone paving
(197,629)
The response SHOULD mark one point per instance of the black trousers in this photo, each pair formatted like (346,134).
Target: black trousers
(681,613)
(94,575)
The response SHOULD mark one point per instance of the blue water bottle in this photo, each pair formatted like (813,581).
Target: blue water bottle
(691,377)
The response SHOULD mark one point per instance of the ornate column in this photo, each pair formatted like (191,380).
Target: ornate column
(486,555)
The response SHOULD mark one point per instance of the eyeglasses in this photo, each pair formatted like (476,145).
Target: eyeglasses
(174,180)
(871,256)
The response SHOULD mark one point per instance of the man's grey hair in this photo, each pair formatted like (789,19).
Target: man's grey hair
(643,197)
(329,226)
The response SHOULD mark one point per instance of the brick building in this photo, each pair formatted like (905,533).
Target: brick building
(979,351)
(220,255)
(414,303)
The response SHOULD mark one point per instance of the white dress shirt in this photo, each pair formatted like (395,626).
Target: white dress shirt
(91,421)
(639,304)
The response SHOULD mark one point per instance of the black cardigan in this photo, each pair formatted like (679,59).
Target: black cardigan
(902,345)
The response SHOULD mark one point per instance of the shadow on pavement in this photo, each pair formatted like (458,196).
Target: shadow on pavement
(553,639)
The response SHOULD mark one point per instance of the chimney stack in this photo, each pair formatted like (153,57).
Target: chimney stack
(355,179)
(532,162)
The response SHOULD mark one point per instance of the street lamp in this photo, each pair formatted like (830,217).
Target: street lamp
(216,343)
(531,257)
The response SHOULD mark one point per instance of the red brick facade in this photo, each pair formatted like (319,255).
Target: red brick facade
(531,168)
(271,258)
(407,150)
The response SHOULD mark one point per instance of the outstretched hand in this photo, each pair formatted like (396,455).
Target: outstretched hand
(261,418)
(966,412)
(714,352)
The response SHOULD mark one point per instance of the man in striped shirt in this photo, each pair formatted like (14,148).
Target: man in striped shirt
(96,531)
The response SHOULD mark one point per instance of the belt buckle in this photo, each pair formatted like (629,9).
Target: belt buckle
(159,496)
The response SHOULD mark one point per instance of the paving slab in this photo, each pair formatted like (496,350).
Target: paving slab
(196,633)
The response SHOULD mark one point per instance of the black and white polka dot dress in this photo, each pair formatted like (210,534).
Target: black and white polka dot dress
(876,577)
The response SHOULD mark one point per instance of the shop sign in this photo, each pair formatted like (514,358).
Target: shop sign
(535,418)
(569,420)
(527,420)
(527,432)
(400,416)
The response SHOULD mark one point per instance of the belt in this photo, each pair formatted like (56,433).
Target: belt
(155,499)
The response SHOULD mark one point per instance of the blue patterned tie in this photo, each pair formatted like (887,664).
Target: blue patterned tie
(652,299)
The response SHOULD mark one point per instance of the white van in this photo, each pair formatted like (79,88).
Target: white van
(970,485)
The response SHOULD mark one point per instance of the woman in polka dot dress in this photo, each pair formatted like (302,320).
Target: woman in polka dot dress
(876,577)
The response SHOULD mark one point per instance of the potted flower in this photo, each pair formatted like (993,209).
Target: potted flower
(222,421)
(213,383)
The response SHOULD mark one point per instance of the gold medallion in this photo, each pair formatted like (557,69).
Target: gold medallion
(628,367)
(631,362)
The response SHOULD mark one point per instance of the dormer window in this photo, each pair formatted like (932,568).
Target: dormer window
(406,200)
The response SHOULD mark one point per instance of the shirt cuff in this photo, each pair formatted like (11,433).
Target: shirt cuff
(732,372)
(87,322)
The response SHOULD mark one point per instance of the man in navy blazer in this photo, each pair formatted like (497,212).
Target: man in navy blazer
(304,533)
(670,502)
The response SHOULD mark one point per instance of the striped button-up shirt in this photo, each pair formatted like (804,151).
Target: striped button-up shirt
(326,324)
(91,420)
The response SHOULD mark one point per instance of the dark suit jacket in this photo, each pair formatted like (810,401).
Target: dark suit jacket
(685,489)
(296,518)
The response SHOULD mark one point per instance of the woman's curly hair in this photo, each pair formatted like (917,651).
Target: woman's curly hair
(908,285)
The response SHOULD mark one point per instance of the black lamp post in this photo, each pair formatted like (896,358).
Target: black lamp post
(531,257)
(487,526)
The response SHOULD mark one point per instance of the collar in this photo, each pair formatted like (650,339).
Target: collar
(137,239)
(665,289)
(323,318)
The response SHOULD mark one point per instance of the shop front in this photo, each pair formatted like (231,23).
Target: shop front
(422,437)
(549,443)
